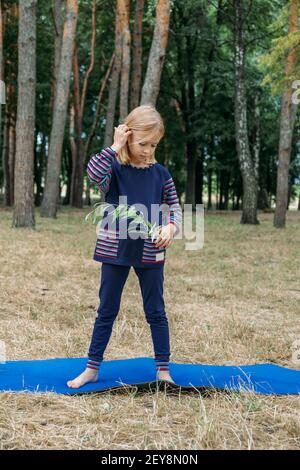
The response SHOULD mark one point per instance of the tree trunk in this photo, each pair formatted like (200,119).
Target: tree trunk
(126,39)
(199,180)
(226,190)
(217,189)
(49,204)
(287,118)
(157,54)
(5,159)
(221,207)
(186,73)
(24,194)
(209,188)
(92,132)
(12,158)
(256,144)
(58,17)
(78,166)
(2,101)
(10,13)
(114,84)
(75,132)
(136,75)
(249,214)
(38,170)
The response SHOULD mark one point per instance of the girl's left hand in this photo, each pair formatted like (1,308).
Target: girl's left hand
(165,236)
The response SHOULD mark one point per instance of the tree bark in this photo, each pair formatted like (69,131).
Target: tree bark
(58,18)
(157,54)
(136,75)
(287,118)
(23,215)
(114,84)
(11,156)
(98,107)
(79,105)
(49,204)
(209,188)
(249,213)
(126,40)
(199,180)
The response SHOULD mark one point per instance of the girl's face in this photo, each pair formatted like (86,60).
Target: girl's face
(142,146)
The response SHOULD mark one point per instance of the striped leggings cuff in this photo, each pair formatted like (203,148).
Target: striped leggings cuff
(93,364)
(162,365)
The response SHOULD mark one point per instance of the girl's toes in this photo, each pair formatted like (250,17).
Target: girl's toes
(71,384)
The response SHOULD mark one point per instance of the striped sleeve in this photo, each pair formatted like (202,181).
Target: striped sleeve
(171,199)
(99,168)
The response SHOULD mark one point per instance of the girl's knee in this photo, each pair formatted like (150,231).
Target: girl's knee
(156,316)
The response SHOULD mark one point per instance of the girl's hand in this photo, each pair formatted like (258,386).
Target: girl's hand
(122,132)
(165,236)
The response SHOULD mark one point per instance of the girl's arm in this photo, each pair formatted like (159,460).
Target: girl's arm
(99,168)
(174,210)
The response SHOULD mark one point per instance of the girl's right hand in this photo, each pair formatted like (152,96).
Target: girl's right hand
(122,132)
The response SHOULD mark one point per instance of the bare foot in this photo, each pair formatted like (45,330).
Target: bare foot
(164,375)
(89,375)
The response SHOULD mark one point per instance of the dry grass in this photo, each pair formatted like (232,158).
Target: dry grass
(234,302)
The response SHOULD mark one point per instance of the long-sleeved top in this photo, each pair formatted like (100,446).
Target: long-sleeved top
(150,186)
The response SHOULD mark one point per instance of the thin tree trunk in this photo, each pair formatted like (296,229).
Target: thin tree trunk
(58,18)
(24,192)
(209,188)
(206,79)
(73,147)
(92,133)
(199,180)
(249,214)
(75,125)
(126,40)
(136,75)
(226,190)
(12,158)
(256,145)
(38,170)
(49,204)
(186,72)
(157,54)
(78,167)
(11,13)
(287,119)
(217,188)
(5,158)
(114,84)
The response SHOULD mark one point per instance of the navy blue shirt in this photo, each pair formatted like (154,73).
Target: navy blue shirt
(151,186)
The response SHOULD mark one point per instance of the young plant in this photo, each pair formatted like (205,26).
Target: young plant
(124,211)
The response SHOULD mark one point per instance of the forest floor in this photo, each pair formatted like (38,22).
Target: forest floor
(236,301)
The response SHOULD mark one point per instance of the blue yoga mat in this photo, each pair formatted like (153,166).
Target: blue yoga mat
(51,375)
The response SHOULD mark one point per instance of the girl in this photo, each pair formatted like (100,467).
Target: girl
(128,168)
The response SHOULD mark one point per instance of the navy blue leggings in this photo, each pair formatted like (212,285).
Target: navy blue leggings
(113,278)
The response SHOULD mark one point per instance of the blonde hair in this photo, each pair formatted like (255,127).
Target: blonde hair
(147,120)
